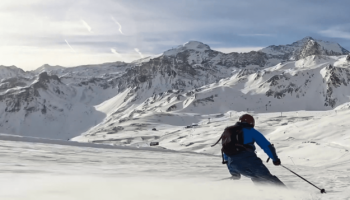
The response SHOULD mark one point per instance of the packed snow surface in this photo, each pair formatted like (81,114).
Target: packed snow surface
(313,144)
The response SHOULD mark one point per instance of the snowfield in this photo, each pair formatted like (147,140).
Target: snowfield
(313,144)
(42,171)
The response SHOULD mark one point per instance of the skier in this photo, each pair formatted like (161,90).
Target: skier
(238,152)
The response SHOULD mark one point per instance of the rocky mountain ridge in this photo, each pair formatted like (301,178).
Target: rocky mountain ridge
(183,79)
(304,48)
(316,83)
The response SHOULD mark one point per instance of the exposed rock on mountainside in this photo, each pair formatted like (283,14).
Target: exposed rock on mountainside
(189,66)
(335,78)
(29,97)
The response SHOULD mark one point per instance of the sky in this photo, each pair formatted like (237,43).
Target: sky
(71,33)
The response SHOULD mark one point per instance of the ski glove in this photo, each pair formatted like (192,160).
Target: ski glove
(277,162)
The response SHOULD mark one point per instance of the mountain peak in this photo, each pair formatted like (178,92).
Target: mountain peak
(195,45)
(191,45)
(307,38)
(47,67)
(305,47)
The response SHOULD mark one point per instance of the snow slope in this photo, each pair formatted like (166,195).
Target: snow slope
(311,143)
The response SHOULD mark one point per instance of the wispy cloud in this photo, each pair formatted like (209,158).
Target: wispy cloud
(120,26)
(138,51)
(336,33)
(70,46)
(151,26)
(86,25)
(115,52)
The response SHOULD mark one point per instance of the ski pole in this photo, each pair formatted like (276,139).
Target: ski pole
(322,190)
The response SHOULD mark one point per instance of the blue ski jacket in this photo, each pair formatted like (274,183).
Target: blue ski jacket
(251,135)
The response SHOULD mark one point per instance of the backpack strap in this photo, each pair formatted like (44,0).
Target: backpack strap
(223,160)
(222,153)
(217,141)
(245,147)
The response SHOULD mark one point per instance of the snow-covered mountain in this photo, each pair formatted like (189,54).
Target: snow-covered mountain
(13,72)
(304,48)
(192,78)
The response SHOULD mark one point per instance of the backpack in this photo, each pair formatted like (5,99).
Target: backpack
(232,141)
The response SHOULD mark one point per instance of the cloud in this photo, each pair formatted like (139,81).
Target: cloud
(86,25)
(115,52)
(120,26)
(237,49)
(157,26)
(138,51)
(336,32)
(70,46)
